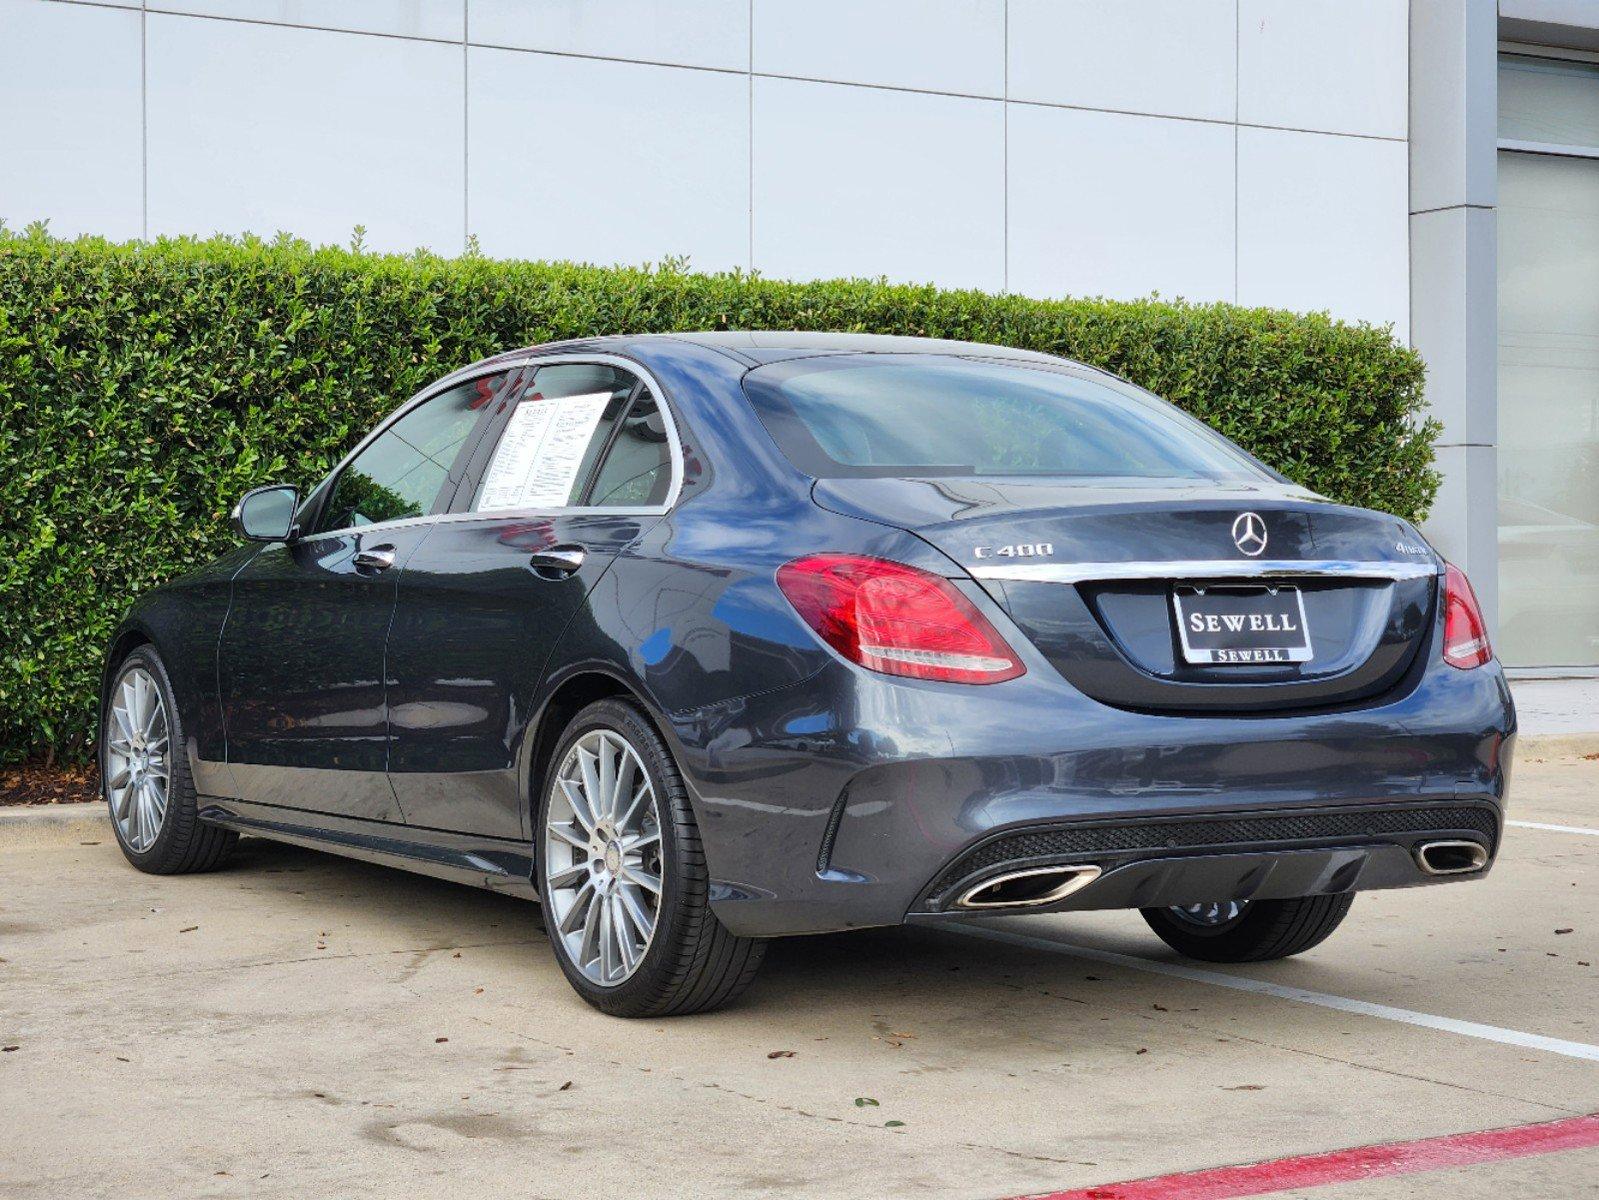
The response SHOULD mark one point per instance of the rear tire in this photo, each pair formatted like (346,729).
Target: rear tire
(149,750)
(690,963)
(1265,929)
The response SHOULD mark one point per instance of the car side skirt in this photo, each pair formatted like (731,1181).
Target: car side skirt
(499,865)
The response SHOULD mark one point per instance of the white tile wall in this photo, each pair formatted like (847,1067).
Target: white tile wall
(444,19)
(862,182)
(938,45)
(1322,224)
(71,144)
(1341,66)
(696,33)
(262,128)
(607,162)
(1122,206)
(1170,57)
(260,123)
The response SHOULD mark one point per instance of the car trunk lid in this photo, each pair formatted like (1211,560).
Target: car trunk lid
(1181,596)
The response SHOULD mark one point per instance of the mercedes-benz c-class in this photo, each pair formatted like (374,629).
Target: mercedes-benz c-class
(704,639)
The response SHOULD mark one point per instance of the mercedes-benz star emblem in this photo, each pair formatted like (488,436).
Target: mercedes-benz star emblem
(1249,534)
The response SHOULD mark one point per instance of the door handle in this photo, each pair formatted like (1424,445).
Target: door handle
(378,558)
(557,560)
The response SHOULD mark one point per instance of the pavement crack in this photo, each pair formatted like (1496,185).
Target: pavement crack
(1360,1066)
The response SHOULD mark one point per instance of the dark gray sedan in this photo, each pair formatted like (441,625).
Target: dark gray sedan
(710,638)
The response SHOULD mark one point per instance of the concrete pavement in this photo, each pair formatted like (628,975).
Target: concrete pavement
(301,1025)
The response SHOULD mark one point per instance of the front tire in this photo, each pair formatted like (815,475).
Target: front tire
(622,875)
(1250,931)
(145,777)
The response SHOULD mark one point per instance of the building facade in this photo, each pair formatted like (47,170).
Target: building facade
(1347,155)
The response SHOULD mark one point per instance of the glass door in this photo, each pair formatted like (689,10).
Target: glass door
(1548,362)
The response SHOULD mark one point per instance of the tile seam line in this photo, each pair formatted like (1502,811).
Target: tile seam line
(736,71)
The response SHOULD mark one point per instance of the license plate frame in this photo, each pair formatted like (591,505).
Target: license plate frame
(1259,624)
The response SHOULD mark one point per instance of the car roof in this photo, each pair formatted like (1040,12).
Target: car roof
(764,346)
(755,348)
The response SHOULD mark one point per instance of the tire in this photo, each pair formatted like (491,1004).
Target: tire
(180,842)
(1266,929)
(690,963)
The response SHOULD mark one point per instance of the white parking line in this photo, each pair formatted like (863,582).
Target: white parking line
(1488,1033)
(1554,828)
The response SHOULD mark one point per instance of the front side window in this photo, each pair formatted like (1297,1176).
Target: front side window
(399,474)
(933,416)
(560,425)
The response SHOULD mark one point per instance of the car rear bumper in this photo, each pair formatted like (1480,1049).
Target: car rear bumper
(1240,856)
(853,800)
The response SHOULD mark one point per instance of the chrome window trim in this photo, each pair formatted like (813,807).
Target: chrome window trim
(1205,569)
(455,380)
(673,442)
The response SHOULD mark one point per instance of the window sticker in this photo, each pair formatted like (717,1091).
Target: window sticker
(541,451)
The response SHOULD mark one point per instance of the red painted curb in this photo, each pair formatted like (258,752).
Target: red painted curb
(1344,1166)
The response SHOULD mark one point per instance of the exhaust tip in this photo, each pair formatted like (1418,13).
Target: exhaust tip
(1030,888)
(1451,858)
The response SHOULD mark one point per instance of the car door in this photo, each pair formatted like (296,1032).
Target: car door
(580,462)
(301,654)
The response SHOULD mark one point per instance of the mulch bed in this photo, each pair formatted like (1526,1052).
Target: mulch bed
(34,784)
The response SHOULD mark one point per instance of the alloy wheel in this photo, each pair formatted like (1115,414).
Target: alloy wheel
(602,857)
(1211,915)
(138,774)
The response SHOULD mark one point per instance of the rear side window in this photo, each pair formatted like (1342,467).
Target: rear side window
(560,425)
(934,416)
(400,474)
(637,471)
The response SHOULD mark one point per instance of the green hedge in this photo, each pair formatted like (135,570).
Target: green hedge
(143,388)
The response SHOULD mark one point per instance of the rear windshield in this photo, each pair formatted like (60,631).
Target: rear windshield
(913,415)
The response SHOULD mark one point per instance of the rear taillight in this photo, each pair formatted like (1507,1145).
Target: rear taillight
(896,619)
(1465,633)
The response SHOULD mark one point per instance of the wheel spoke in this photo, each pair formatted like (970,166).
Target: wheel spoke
(641,877)
(604,792)
(625,821)
(154,718)
(622,789)
(639,842)
(640,919)
(607,940)
(120,778)
(624,937)
(138,710)
(120,805)
(579,803)
(140,804)
(124,720)
(578,914)
(587,763)
(567,876)
(571,836)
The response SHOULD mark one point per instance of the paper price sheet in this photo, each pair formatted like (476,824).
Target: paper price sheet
(537,460)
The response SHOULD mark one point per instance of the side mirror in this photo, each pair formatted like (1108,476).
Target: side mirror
(267,513)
